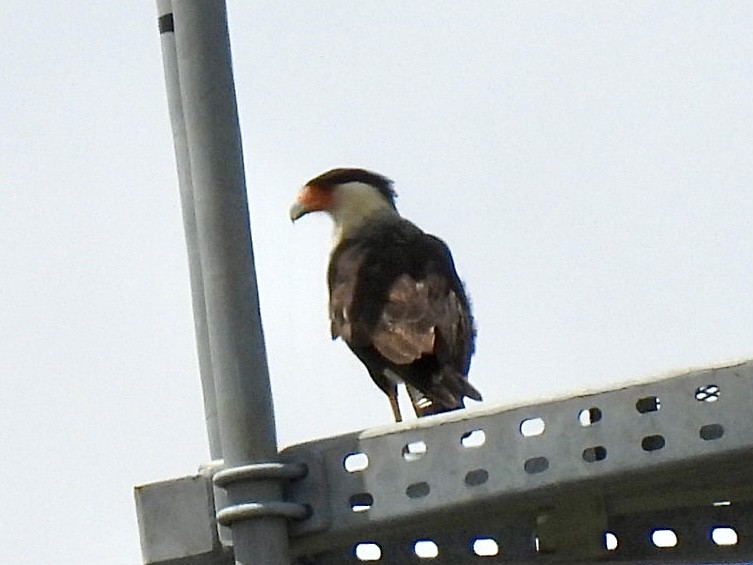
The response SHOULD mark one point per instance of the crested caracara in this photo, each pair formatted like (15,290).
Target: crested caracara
(394,295)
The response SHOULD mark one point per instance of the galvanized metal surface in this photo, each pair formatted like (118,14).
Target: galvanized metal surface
(176,520)
(668,454)
(686,500)
(185,183)
(166,27)
(224,232)
(239,364)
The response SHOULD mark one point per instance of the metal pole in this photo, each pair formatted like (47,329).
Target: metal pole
(244,399)
(180,141)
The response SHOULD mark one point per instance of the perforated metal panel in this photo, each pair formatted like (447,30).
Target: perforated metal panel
(560,480)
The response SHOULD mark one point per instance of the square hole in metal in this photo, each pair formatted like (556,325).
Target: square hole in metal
(475,438)
(414,450)
(361,502)
(648,404)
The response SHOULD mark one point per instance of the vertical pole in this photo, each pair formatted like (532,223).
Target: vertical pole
(244,400)
(185,182)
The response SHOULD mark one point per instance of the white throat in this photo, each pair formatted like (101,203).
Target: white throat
(355,204)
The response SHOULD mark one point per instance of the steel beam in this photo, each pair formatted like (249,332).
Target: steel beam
(544,481)
(570,480)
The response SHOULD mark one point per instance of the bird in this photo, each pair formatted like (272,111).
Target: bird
(395,297)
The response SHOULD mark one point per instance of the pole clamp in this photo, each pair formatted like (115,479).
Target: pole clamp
(261,472)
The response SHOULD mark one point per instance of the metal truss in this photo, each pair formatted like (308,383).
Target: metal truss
(658,472)
(649,473)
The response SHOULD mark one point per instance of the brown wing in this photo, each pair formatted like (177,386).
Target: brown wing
(343,279)
(411,314)
(424,324)
(407,328)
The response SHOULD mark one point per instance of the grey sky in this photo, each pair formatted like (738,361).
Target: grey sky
(588,163)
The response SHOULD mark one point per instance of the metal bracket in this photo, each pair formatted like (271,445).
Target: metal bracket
(253,509)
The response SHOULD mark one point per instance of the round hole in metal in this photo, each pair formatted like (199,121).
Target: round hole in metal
(418,490)
(589,416)
(485,547)
(664,537)
(476,477)
(367,551)
(536,465)
(707,393)
(595,453)
(355,462)
(652,443)
(724,535)
(711,431)
(425,549)
(532,427)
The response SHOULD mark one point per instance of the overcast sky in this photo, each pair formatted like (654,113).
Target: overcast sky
(589,163)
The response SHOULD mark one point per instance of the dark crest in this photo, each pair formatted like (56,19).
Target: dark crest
(332,178)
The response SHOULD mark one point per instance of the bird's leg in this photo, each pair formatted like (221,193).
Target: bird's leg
(422,405)
(392,395)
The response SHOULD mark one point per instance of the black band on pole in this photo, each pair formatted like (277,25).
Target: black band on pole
(166,24)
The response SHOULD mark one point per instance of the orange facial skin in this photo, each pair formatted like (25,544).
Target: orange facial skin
(311,199)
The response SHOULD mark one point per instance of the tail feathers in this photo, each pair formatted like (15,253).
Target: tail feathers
(425,406)
(446,393)
(453,385)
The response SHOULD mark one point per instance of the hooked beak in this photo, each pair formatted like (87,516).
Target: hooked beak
(311,199)
(297,210)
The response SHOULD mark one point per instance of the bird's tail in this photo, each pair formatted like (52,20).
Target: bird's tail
(423,405)
(443,395)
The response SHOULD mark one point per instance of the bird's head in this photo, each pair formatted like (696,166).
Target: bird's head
(350,196)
